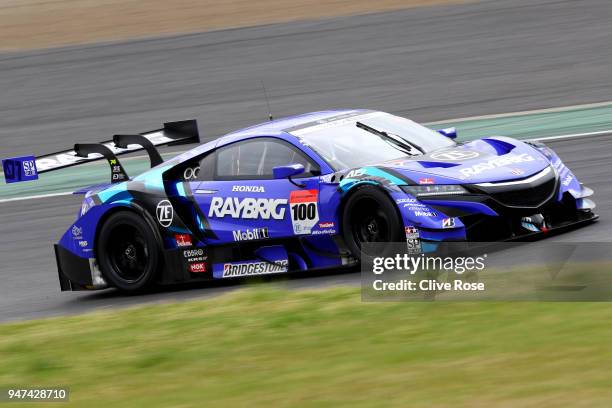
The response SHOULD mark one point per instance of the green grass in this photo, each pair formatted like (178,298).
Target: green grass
(266,346)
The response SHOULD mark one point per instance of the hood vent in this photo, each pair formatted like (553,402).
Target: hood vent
(500,146)
(432,165)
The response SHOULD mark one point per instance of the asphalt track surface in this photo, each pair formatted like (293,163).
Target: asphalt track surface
(429,64)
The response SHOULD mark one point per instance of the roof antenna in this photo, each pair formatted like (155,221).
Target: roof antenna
(267,101)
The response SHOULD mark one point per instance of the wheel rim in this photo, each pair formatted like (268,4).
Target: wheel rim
(128,253)
(370,223)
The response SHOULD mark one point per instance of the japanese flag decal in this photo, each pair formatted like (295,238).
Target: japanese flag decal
(304,209)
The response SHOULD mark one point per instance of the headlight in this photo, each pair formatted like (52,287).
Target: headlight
(536,143)
(434,190)
(547,151)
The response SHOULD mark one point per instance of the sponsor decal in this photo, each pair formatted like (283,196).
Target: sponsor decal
(87,204)
(416,206)
(77,232)
(327,178)
(191,173)
(420,213)
(455,155)
(59,160)
(411,231)
(329,231)
(29,168)
(190,253)
(116,173)
(247,208)
(495,163)
(194,255)
(183,240)
(251,234)
(304,209)
(70,157)
(405,200)
(327,224)
(413,242)
(197,267)
(396,162)
(340,120)
(516,172)
(355,173)
(426,180)
(413,245)
(448,223)
(83,244)
(249,189)
(237,269)
(165,213)
(567,180)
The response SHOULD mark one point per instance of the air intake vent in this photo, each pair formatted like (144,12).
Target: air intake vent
(532,192)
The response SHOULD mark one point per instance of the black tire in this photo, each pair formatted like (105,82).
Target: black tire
(370,216)
(128,252)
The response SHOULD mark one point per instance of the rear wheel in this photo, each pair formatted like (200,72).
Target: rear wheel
(369,217)
(128,252)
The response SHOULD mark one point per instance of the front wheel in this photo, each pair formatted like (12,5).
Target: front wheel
(127,252)
(370,216)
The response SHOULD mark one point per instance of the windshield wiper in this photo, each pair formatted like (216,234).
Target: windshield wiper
(395,139)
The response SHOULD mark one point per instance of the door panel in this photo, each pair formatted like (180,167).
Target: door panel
(247,210)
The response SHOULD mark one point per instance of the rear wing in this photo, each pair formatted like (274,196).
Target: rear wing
(25,168)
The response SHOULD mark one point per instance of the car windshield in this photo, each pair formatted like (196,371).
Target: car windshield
(346,143)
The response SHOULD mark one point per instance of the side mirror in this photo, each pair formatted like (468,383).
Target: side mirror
(451,132)
(288,171)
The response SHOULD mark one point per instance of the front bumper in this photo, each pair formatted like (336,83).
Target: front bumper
(480,228)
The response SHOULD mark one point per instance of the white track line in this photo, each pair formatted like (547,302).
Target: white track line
(560,137)
(575,135)
(523,113)
(7,200)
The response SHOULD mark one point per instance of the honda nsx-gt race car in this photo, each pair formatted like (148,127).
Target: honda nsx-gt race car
(302,193)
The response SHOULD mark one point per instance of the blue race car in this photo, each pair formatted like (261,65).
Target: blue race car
(300,194)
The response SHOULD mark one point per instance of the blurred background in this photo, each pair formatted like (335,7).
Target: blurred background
(430,63)
(83,70)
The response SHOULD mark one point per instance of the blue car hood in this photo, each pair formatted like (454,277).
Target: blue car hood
(484,160)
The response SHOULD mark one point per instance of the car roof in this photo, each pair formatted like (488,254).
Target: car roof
(275,128)
(279,126)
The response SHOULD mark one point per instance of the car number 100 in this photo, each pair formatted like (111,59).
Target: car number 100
(305,211)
